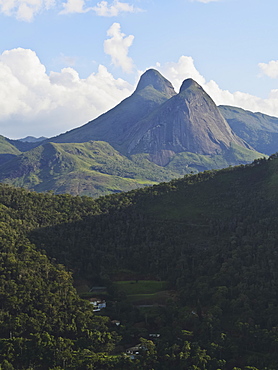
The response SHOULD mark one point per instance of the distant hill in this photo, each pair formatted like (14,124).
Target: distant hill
(259,130)
(32,139)
(7,150)
(93,168)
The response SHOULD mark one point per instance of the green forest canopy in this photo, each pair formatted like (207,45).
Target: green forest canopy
(212,236)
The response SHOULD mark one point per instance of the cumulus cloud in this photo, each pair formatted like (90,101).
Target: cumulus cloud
(35,103)
(117,46)
(74,6)
(105,10)
(177,72)
(102,8)
(270,69)
(25,10)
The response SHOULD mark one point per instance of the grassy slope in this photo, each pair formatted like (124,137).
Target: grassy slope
(141,286)
(6,147)
(7,150)
(95,168)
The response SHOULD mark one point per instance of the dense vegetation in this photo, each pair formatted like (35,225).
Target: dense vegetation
(44,324)
(212,236)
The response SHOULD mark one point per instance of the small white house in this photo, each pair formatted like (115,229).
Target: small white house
(98,303)
(154,335)
(132,352)
(116,322)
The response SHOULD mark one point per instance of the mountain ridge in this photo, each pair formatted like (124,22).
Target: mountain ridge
(132,109)
(187,122)
(258,129)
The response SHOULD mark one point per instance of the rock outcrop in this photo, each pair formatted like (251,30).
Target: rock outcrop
(158,121)
(188,122)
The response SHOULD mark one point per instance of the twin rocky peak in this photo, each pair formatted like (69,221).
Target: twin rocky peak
(158,121)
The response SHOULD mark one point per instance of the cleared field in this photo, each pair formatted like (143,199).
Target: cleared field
(144,291)
(132,287)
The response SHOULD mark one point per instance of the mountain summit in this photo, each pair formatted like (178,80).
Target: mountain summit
(189,83)
(154,79)
(152,90)
(188,122)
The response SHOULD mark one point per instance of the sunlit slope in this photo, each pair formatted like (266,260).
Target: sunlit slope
(92,168)
(96,168)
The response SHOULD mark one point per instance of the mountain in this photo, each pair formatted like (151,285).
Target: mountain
(188,122)
(152,136)
(93,168)
(183,132)
(32,139)
(259,130)
(7,150)
(157,121)
(152,90)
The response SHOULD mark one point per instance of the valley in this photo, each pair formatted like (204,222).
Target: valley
(145,239)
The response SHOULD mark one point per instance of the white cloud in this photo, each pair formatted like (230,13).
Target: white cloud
(177,72)
(204,1)
(74,6)
(67,60)
(270,69)
(105,10)
(33,102)
(25,10)
(102,8)
(117,47)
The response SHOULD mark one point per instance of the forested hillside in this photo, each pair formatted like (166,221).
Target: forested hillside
(43,322)
(212,236)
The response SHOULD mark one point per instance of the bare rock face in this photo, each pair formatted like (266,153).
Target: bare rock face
(161,157)
(113,126)
(158,121)
(188,122)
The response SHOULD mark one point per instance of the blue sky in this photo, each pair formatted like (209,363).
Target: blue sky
(64,62)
